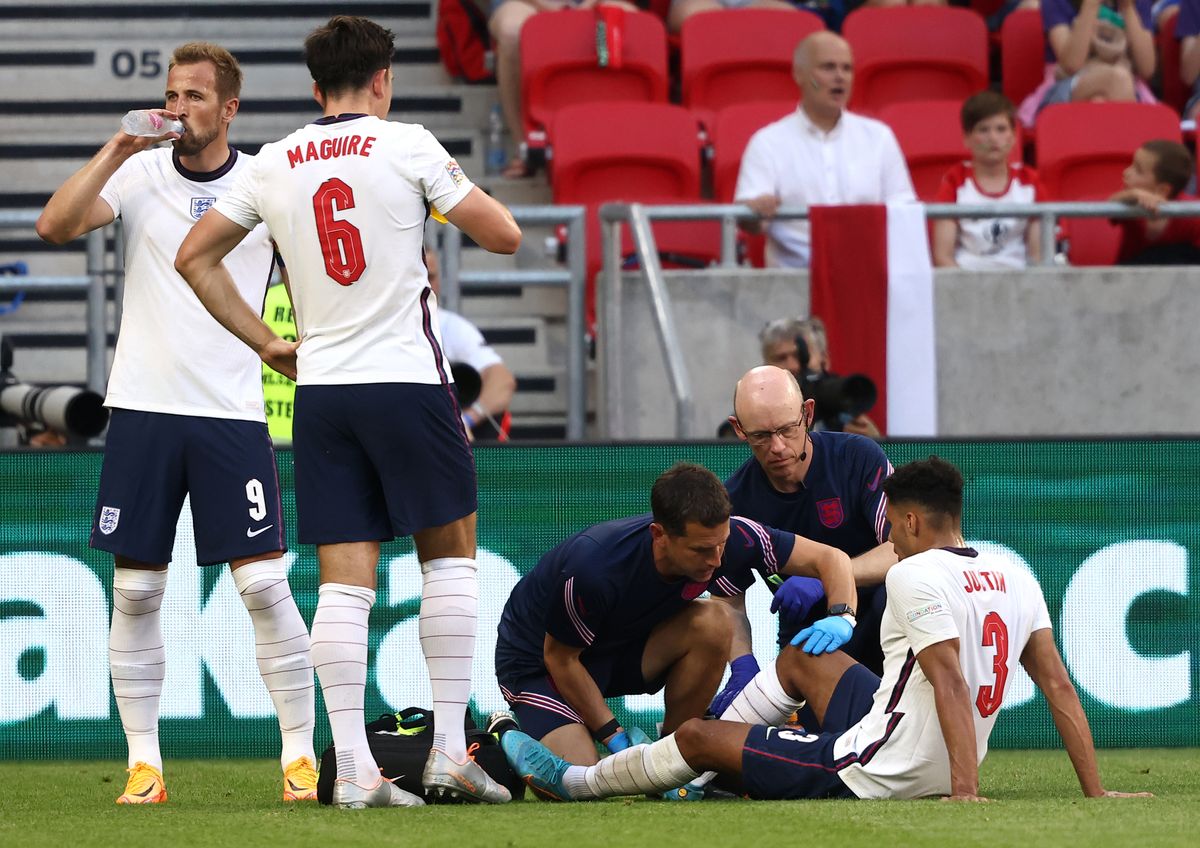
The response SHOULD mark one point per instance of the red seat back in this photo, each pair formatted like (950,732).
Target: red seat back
(559,65)
(1022,54)
(931,138)
(731,132)
(633,152)
(737,55)
(915,53)
(1082,148)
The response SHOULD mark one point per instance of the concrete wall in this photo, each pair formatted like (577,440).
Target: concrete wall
(1055,351)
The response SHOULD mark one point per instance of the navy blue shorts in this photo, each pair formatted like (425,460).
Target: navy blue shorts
(541,708)
(786,763)
(153,459)
(379,460)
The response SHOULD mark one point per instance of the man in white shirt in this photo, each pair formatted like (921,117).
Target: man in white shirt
(818,155)
(379,445)
(187,417)
(954,623)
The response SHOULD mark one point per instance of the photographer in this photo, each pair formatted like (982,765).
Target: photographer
(801,347)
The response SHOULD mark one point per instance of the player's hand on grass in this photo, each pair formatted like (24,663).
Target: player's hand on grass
(741,672)
(796,597)
(624,738)
(825,636)
(280,355)
(967,798)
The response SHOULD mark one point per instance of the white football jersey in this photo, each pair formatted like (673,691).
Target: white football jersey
(345,199)
(465,343)
(991,607)
(172,356)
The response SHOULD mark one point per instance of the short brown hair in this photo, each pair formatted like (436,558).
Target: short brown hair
(984,105)
(932,483)
(687,492)
(229,72)
(345,53)
(1172,163)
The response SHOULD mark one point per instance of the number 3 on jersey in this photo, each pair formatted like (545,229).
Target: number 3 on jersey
(995,633)
(341,241)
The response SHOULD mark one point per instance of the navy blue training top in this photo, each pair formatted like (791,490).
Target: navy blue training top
(599,590)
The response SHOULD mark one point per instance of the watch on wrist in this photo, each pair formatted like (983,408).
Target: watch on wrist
(842,609)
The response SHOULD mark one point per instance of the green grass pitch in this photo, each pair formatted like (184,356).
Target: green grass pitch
(1036,802)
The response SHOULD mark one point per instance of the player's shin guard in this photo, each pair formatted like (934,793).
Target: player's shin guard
(652,768)
(449,607)
(137,660)
(281,646)
(339,653)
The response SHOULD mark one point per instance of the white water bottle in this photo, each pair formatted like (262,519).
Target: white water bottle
(143,122)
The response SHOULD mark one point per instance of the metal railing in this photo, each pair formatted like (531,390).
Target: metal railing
(639,219)
(96,330)
(573,278)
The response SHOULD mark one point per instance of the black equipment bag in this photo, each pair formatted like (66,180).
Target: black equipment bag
(401,743)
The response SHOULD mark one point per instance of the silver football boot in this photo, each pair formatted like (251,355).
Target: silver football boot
(467,781)
(350,796)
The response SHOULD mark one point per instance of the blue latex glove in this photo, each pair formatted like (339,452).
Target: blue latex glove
(796,597)
(825,636)
(627,739)
(741,672)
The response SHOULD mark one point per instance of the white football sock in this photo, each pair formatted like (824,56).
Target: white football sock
(281,646)
(651,768)
(449,606)
(136,658)
(762,701)
(339,653)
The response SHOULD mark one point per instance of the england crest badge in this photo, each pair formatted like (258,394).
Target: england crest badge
(200,205)
(110,516)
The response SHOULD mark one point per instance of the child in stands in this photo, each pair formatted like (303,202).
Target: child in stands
(1159,172)
(989,132)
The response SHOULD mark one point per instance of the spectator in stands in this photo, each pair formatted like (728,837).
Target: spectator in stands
(507,18)
(801,347)
(819,154)
(989,131)
(1096,50)
(1159,172)
(1187,30)
(487,416)
(681,10)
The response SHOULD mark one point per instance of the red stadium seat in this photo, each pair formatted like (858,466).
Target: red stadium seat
(931,138)
(559,66)
(1022,54)
(730,133)
(1082,148)
(915,53)
(739,55)
(633,152)
(1174,92)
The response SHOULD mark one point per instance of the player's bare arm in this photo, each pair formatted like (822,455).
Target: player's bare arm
(199,262)
(831,566)
(487,221)
(952,698)
(871,568)
(1045,667)
(76,208)
(575,683)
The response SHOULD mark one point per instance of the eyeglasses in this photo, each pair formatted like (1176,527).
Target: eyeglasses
(762,438)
